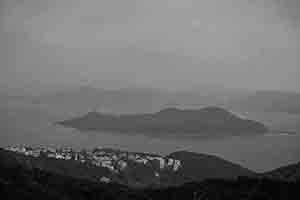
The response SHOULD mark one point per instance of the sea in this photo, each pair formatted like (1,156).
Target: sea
(31,124)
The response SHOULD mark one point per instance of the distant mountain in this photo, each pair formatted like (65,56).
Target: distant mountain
(269,101)
(290,173)
(209,121)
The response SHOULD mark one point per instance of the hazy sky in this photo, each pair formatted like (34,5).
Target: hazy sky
(156,43)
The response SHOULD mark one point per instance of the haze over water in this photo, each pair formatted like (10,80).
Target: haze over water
(34,125)
(172,44)
(178,45)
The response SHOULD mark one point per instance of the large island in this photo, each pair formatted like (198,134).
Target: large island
(209,121)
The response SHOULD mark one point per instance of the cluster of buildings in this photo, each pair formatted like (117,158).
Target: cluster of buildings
(114,160)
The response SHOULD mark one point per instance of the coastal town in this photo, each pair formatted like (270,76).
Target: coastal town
(114,160)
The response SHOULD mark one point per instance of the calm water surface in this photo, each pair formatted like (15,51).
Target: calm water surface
(33,125)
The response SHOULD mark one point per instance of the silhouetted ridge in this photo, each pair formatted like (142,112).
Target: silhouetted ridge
(215,111)
(290,172)
(170,111)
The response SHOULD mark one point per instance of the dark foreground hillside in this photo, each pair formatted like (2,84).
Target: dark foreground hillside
(197,167)
(19,182)
(290,173)
(136,170)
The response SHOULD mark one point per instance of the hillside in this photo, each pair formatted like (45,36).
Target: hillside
(197,167)
(20,182)
(70,168)
(210,121)
(290,172)
(126,168)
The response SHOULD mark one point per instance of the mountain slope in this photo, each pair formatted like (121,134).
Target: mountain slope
(131,169)
(68,168)
(197,167)
(290,173)
(19,182)
(210,121)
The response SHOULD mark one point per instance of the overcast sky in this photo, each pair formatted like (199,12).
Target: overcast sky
(252,44)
